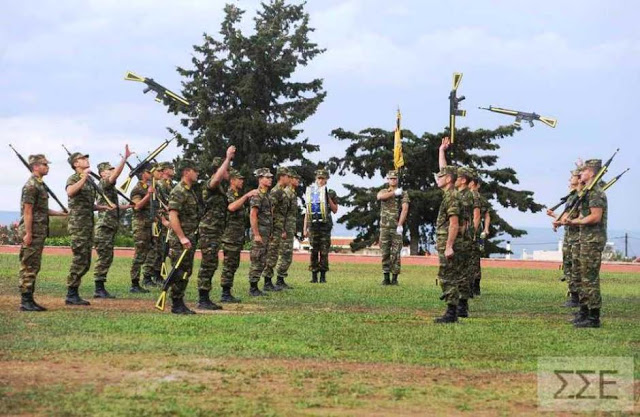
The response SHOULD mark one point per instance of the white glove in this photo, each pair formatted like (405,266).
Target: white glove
(483,235)
(399,230)
(398,192)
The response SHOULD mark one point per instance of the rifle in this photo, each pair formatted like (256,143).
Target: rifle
(93,184)
(46,187)
(155,231)
(165,252)
(520,116)
(163,94)
(135,171)
(614,180)
(454,101)
(563,200)
(170,279)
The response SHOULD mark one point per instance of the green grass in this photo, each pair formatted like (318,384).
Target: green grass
(352,318)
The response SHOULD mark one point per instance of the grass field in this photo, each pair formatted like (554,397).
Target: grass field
(348,347)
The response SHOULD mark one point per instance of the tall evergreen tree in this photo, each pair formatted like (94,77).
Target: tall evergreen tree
(243,93)
(370,152)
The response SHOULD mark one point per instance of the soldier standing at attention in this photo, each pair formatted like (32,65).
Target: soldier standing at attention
(321,202)
(184,216)
(212,227)
(261,219)
(34,229)
(280,206)
(394,208)
(481,230)
(233,237)
(593,237)
(157,209)
(286,249)
(107,224)
(163,189)
(144,256)
(447,243)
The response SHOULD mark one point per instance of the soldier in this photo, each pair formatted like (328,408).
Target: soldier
(107,224)
(593,237)
(291,224)
(212,227)
(80,226)
(481,230)
(144,256)
(280,206)
(321,202)
(233,237)
(447,243)
(394,208)
(261,219)
(157,214)
(34,229)
(184,216)
(163,189)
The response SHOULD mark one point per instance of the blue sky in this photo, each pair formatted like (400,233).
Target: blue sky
(62,65)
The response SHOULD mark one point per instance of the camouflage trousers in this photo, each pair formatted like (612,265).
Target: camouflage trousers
(158,249)
(286,254)
(390,246)
(466,268)
(320,241)
(571,261)
(275,245)
(590,260)
(209,246)
(186,267)
(104,242)
(475,264)
(449,274)
(258,258)
(81,246)
(30,261)
(145,255)
(230,263)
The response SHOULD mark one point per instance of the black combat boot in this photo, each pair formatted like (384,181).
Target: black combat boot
(38,306)
(323,277)
(136,288)
(268,285)
(178,307)
(73,298)
(314,277)
(385,279)
(450,316)
(573,300)
(476,287)
(226,296)
(26,302)
(101,292)
(254,291)
(592,319)
(205,303)
(580,315)
(280,283)
(394,279)
(463,308)
(147,281)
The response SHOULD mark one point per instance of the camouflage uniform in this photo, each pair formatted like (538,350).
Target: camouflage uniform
(80,229)
(449,271)
(476,253)
(106,228)
(211,229)
(232,240)
(144,256)
(163,190)
(467,204)
(320,234)
(592,242)
(390,240)
(34,193)
(280,204)
(286,248)
(265,225)
(571,251)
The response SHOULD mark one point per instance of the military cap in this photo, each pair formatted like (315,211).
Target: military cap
(166,165)
(392,174)
(465,172)
(217,162)
(234,173)
(262,172)
(596,164)
(293,174)
(322,173)
(38,159)
(188,164)
(103,166)
(282,171)
(74,156)
(448,170)
(576,172)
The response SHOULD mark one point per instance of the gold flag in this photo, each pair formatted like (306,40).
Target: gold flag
(398,159)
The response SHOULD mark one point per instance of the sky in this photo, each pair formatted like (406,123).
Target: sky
(62,65)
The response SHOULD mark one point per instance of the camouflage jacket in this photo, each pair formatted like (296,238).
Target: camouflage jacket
(449,207)
(390,209)
(215,215)
(572,231)
(141,218)
(280,207)
(265,213)
(34,193)
(468,203)
(484,206)
(235,228)
(109,218)
(183,199)
(291,225)
(80,207)
(594,233)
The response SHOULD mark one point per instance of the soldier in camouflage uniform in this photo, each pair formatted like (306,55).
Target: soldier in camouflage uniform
(593,237)
(261,219)
(107,224)
(34,229)
(481,231)
(394,208)
(80,226)
(320,203)
(233,237)
(144,256)
(212,227)
(280,207)
(163,189)
(448,241)
(157,213)
(291,224)
(184,216)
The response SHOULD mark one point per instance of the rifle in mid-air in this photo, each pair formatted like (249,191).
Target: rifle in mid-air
(454,102)
(138,169)
(163,94)
(614,180)
(520,116)
(46,187)
(563,200)
(95,186)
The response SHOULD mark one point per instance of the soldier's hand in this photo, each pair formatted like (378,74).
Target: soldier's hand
(186,243)
(305,234)
(550,213)
(284,235)
(448,252)
(27,239)
(445,143)
(127,152)
(151,190)
(165,222)
(86,172)
(399,230)
(257,238)
(231,152)
(253,193)
(398,192)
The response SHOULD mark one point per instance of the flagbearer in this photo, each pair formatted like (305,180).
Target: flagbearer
(394,208)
